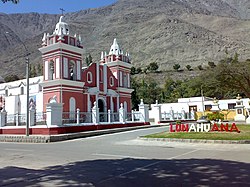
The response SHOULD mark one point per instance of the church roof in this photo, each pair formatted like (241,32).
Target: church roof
(62,28)
(115,49)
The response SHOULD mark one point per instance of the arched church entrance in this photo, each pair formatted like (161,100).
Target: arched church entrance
(102,110)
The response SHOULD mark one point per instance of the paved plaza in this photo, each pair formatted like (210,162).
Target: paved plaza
(122,159)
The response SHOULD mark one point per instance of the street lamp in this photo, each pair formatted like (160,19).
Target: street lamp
(27,94)
(27,84)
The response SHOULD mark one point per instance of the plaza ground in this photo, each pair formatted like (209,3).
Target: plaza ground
(121,159)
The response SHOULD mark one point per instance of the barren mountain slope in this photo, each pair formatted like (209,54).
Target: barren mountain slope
(164,31)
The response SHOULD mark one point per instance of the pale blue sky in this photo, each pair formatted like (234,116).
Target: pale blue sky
(52,6)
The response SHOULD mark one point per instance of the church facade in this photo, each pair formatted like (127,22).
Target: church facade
(105,84)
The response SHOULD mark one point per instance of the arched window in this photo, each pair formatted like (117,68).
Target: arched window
(89,77)
(101,76)
(72,108)
(125,80)
(6,92)
(111,81)
(72,70)
(21,90)
(51,70)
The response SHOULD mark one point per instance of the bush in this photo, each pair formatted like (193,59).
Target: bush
(215,116)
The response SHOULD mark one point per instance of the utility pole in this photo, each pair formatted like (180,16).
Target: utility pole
(202,100)
(27,83)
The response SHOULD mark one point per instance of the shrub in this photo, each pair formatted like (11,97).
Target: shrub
(215,116)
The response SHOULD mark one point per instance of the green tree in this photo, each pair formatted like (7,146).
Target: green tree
(200,67)
(134,96)
(153,67)
(146,89)
(88,60)
(139,70)
(176,67)
(189,68)
(171,90)
(133,70)
(33,72)
(235,58)
(211,64)
(11,78)
(234,76)
(39,69)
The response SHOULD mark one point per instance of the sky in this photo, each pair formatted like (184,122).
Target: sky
(52,6)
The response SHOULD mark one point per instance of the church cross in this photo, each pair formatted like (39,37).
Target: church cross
(62,10)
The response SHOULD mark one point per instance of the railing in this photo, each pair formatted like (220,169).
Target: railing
(69,117)
(16,119)
(76,118)
(114,117)
(40,118)
(85,117)
(134,116)
(176,116)
(103,117)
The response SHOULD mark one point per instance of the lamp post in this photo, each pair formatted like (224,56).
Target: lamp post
(27,84)
(202,101)
(27,94)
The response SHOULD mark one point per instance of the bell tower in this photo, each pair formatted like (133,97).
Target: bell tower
(61,54)
(120,65)
(62,64)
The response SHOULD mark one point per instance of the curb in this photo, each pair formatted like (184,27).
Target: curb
(196,140)
(69,136)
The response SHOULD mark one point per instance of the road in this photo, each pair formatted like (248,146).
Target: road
(121,159)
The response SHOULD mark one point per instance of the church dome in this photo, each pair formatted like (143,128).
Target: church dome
(62,28)
(115,49)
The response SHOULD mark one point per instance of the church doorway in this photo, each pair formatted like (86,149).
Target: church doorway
(102,111)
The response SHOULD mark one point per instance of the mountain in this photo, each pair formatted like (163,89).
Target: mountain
(168,32)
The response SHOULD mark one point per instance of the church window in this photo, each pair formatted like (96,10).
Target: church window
(89,77)
(125,80)
(72,70)
(101,76)
(111,81)
(22,90)
(6,92)
(51,70)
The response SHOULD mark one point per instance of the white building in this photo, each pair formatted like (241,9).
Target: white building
(197,104)
(13,95)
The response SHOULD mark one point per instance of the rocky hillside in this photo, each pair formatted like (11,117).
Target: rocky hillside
(164,31)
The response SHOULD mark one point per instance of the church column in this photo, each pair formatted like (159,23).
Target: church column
(118,103)
(97,76)
(128,80)
(105,79)
(89,103)
(111,104)
(96,99)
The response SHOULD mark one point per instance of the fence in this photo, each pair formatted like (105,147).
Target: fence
(104,117)
(56,117)
(177,116)
(16,119)
(20,119)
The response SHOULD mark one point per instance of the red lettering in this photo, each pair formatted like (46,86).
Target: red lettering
(184,127)
(171,128)
(224,128)
(215,128)
(178,127)
(234,128)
